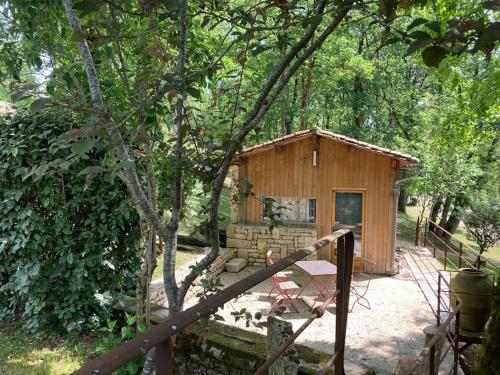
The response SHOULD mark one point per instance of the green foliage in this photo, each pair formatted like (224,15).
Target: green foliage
(115,335)
(483,221)
(64,243)
(489,360)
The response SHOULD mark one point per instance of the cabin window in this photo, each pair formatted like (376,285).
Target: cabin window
(290,210)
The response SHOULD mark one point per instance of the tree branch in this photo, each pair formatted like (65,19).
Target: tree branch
(269,93)
(128,164)
(171,243)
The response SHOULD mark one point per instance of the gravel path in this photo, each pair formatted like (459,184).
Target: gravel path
(376,338)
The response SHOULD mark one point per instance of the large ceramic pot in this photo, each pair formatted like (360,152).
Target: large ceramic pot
(475,289)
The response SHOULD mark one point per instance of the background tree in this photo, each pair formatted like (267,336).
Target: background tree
(483,222)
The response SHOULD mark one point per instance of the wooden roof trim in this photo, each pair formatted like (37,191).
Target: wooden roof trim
(408,159)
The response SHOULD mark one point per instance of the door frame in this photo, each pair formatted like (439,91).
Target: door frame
(357,259)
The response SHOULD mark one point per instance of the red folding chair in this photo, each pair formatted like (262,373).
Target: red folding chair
(281,276)
(286,290)
(361,283)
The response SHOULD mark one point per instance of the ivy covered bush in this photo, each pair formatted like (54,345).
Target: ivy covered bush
(66,243)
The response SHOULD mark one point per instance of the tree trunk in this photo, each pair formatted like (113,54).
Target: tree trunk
(356,103)
(169,279)
(277,80)
(306,93)
(457,214)
(444,213)
(434,212)
(402,200)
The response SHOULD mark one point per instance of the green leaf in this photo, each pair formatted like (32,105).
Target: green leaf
(417,44)
(392,40)
(194,92)
(172,4)
(86,7)
(416,22)
(82,147)
(315,20)
(433,55)
(39,104)
(434,26)
(419,35)
(92,170)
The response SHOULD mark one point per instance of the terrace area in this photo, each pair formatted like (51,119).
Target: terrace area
(376,338)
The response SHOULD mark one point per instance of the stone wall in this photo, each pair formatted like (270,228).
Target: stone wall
(217,267)
(253,241)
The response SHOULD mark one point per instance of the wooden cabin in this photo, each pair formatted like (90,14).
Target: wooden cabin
(315,182)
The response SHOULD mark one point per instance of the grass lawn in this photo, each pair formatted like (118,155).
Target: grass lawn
(182,258)
(407,224)
(406,232)
(21,353)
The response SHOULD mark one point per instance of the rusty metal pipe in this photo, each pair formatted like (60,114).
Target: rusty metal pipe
(318,312)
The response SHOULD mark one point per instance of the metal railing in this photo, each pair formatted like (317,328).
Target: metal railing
(446,337)
(160,336)
(441,242)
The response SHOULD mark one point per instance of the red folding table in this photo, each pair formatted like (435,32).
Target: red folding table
(317,269)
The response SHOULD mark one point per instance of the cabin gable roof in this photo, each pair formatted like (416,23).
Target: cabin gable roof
(406,160)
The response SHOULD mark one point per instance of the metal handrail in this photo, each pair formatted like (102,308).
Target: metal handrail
(459,253)
(159,336)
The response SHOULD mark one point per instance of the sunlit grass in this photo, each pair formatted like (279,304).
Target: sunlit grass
(182,258)
(21,353)
(406,232)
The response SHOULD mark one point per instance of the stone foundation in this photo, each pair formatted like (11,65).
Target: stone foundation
(217,267)
(253,241)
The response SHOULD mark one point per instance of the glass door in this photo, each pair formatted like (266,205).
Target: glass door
(348,214)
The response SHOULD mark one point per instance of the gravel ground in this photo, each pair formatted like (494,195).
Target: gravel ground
(376,337)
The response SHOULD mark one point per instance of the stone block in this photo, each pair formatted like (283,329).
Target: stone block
(283,252)
(262,246)
(230,231)
(242,253)
(236,265)
(236,242)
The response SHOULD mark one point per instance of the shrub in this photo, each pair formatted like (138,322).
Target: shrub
(483,222)
(64,245)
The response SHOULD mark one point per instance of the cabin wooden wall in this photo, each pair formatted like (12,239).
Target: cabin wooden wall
(287,171)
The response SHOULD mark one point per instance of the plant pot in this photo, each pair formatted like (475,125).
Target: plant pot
(475,289)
